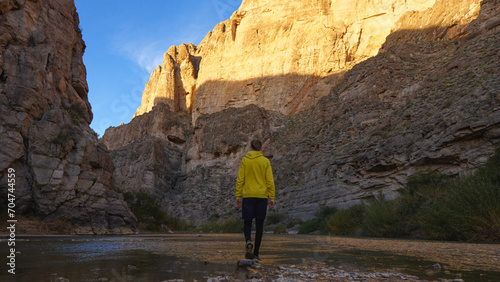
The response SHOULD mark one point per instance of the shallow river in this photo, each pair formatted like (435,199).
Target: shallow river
(199,256)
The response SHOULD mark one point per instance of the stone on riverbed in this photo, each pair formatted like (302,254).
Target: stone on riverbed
(246,262)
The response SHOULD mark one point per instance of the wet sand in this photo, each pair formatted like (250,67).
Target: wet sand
(276,249)
(424,259)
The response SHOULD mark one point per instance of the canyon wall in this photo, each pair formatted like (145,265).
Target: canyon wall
(285,56)
(63,173)
(422,104)
(147,152)
(350,98)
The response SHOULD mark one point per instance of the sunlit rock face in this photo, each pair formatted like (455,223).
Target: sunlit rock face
(63,173)
(424,97)
(286,55)
(174,82)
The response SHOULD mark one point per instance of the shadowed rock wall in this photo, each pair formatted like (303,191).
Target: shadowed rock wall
(63,173)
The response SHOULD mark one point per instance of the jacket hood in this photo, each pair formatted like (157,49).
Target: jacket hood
(253,154)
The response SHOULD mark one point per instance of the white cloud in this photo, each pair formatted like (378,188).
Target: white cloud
(146,54)
(146,46)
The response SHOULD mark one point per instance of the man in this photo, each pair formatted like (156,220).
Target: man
(255,184)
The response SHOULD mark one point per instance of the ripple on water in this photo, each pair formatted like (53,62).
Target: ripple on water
(194,256)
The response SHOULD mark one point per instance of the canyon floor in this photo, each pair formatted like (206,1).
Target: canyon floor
(213,257)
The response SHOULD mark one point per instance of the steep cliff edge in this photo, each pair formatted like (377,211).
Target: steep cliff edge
(285,55)
(63,173)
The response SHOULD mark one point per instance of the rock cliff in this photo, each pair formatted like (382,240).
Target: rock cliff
(147,152)
(63,173)
(174,82)
(285,55)
(421,104)
(344,111)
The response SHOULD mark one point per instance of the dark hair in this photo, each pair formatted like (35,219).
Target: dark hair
(256,145)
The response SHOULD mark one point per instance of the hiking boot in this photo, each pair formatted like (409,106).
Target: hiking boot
(249,249)
(257,259)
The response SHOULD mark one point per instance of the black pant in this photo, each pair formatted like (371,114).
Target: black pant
(259,231)
(254,208)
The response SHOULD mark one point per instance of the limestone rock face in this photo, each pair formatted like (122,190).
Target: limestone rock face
(63,173)
(191,171)
(428,100)
(211,160)
(416,106)
(286,55)
(419,105)
(174,82)
(147,152)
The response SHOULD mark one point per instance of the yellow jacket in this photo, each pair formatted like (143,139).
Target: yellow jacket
(255,177)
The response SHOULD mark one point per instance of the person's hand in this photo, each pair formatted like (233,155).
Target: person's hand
(271,204)
(238,203)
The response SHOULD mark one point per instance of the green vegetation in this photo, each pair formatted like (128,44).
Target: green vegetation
(149,213)
(470,210)
(431,206)
(280,229)
(319,222)
(151,217)
(346,221)
(274,218)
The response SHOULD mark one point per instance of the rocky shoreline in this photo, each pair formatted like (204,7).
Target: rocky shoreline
(317,271)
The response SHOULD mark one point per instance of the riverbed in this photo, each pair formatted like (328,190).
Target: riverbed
(214,257)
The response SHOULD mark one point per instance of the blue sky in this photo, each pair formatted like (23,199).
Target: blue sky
(126,40)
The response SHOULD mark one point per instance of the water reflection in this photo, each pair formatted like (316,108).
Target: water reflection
(98,259)
(194,257)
